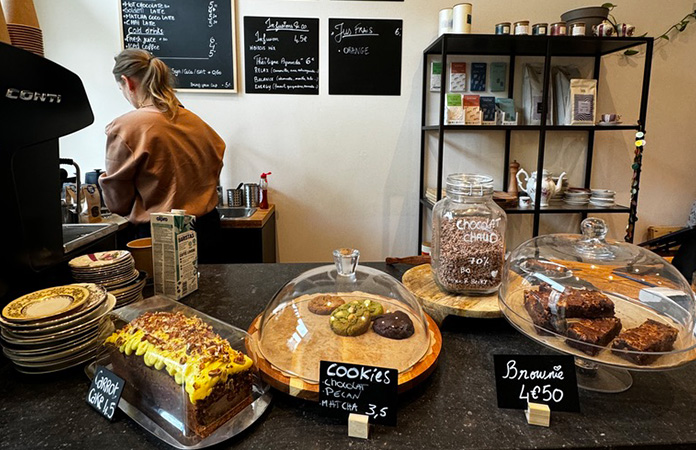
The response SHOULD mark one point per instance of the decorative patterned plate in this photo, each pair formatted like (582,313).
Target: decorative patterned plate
(100,259)
(46,303)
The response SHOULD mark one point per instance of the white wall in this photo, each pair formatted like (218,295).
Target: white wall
(345,168)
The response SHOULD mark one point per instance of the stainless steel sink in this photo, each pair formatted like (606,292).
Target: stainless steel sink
(76,235)
(235,212)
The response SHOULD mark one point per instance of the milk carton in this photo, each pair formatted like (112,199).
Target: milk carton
(174,254)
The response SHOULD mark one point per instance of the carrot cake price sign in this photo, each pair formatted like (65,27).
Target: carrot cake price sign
(105,392)
(536,379)
(353,388)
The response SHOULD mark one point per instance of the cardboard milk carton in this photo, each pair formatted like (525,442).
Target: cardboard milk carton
(174,254)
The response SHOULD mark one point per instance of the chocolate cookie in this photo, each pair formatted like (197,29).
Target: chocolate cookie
(396,325)
(375,308)
(351,319)
(324,305)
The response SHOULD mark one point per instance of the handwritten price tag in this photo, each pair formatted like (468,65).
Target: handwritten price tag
(352,388)
(538,379)
(105,392)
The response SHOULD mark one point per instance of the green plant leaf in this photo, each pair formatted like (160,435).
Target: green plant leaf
(682,26)
(631,52)
(664,36)
(643,35)
(608,5)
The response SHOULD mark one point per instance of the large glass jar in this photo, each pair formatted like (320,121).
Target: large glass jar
(468,236)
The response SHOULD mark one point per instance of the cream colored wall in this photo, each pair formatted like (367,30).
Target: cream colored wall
(345,168)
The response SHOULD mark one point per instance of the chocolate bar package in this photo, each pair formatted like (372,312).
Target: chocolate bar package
(498,76)
(478,77)
(454,112)
(457,77)
(435,73)
(488,110)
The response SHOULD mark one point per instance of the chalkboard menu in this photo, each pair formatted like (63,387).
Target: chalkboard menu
(365,56)
(281,55)
(196,38)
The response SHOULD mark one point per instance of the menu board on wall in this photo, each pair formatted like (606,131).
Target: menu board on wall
(365,56)
(281,55)
(195,38)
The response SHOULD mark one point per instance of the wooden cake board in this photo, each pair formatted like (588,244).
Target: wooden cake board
(440,304)
(297,387)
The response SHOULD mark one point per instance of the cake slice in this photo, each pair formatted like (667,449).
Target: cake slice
(650,336)
(580,303)
(181,369)
(598,332)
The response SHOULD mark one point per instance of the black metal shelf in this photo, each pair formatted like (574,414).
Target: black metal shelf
(556,208)
(531,127)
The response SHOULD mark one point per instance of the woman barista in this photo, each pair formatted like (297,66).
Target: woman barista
(160,156)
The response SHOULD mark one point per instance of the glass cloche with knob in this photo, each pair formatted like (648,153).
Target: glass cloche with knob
(613,305)
(342,313)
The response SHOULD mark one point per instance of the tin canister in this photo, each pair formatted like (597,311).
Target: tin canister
(461,18)
(540,29)
(251,194)
(502,28)
(521,27)
(559,29)
(577,29)
(445,21)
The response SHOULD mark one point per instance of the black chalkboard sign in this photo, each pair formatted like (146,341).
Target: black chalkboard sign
(549,380)
(196,38)
(352,388)
(105,392)
(365,56)
(281,55)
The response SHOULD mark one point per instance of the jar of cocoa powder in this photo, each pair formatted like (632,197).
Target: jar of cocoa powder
(468,245)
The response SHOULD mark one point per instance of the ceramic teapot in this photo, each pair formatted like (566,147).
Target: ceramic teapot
(548,187)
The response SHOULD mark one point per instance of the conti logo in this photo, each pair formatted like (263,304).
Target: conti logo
(31,96)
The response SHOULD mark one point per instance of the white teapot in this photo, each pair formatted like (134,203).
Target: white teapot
(548,187)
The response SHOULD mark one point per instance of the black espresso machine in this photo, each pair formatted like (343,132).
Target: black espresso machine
(40,101)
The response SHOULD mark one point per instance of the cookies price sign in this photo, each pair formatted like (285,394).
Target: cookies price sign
(537,379)
(353,388)
(105,392)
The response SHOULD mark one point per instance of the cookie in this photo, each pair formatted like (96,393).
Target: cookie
(351,319)
(375,308)
(396,325)
(324,305)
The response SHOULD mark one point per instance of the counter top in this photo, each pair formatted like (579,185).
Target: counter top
(454,409)
(256,220)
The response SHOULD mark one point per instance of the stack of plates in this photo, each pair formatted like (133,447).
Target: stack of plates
(602,197)
(26,37)
(577,196)
(115,270)
(56,328)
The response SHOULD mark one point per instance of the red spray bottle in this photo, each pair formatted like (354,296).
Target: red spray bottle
(263,187)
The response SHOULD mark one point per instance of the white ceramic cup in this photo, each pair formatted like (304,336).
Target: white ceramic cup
(525,201)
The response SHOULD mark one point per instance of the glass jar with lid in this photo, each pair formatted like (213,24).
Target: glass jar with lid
(468,236)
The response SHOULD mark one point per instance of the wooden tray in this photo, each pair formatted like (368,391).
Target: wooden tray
(440,304)
(298,388)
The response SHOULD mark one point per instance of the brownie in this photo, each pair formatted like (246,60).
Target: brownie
(395,325)
(580,303)
(177,367)
(598,332)
(650,336)
(537,306)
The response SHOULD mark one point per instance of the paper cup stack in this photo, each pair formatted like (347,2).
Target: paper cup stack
(23,25)
(114,270)
(602,197)
(56,328)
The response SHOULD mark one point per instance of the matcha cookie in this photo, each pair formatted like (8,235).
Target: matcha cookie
(396,325)
(375,308)
(351,319)
(324,305)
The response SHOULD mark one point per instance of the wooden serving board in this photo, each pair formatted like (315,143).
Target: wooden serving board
(440,304)
(297,387)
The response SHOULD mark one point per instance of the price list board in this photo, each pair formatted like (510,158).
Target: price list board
(281,55)
(196,38)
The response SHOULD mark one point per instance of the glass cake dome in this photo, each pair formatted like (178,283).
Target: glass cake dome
(342,313)
(613,305)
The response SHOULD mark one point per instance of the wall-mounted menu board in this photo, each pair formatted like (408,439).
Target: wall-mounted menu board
(196,38)
(281,55)
(365,56)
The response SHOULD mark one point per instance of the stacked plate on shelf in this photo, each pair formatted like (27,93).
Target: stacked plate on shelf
(577,196)
(602,197)
(56,328)
(114,270)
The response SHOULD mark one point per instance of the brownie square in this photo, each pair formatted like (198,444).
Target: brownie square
(580,303)
(598,332)
(650,336)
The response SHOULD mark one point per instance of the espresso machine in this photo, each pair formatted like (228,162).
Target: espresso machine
(40,101)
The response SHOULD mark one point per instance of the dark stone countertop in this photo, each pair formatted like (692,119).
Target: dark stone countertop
(454,409)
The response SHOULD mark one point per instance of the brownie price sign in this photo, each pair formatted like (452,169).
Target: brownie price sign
(536,379)
(352,388)
(105,392)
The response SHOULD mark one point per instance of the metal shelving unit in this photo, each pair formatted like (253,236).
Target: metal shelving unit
(541,46)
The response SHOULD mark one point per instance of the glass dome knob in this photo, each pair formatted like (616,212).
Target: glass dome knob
(346,260)
(594,228)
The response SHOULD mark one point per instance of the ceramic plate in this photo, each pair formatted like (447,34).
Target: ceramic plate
(100,259)
(48,349)
(46,303)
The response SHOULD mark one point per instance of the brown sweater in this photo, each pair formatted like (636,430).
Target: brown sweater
(154,164)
